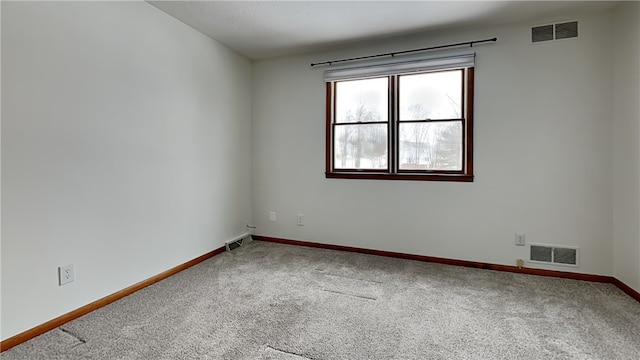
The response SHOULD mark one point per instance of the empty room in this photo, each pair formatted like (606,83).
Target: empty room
(300,180)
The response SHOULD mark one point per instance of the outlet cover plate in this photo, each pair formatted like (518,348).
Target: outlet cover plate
(66,274)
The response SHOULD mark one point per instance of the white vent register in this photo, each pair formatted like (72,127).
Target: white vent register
(558,31)
(554,254)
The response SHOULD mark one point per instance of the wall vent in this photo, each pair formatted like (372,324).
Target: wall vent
(549,32)
(567,30)
(554,254)
(541,33)
(234,244)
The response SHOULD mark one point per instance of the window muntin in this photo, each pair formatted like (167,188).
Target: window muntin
(425,118)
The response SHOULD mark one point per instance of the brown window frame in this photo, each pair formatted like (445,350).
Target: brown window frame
(393,172)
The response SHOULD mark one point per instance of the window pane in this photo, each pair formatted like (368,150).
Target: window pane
(361,100)
(360,146)
(431,146)
(431,96)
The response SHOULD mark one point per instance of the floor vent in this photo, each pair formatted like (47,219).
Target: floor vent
(549,32)
(554,254)
(234,244)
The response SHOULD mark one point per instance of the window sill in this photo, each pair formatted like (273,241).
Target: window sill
(401,176)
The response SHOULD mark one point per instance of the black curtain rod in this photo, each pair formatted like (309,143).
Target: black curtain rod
(470,43)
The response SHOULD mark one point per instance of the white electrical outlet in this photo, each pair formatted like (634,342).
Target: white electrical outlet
(272,216)
(66,274)
(300,219)
(520,239)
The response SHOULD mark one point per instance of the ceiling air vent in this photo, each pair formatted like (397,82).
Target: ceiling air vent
(554,254)
(565,30)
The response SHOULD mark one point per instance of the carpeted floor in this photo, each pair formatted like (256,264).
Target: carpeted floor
(281,302)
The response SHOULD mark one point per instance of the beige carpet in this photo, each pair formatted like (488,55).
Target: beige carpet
(273,301)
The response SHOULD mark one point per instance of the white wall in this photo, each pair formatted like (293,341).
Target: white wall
(542,155)
(626,145)
(125,151)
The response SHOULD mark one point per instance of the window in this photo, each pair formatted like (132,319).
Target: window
(401,121)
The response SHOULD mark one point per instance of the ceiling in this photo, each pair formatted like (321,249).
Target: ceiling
(262,29)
